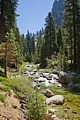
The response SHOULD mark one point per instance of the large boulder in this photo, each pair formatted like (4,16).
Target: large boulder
(48,93)
(57,99)
(65,78)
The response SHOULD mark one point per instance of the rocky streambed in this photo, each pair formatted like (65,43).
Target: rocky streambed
(41,77)
(60,102)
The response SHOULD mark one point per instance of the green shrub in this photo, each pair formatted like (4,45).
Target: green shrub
(2,73)
(2,79)
(36,106)
(2,98)
(22,67)
(20,85)
(5,88)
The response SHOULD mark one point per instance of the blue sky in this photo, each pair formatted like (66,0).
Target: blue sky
(32,14)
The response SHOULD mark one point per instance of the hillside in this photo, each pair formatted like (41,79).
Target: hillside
(57,12)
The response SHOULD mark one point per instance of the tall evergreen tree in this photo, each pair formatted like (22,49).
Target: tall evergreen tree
(33,44)
(28,39)
(59,40)
(8,51)
(23,44)
(43,61)
(7,16)
(39,43)
(50,36)
(72,31)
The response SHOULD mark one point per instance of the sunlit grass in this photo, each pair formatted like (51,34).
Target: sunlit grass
(21,85)
(5,88)
(70,110)
(22,67)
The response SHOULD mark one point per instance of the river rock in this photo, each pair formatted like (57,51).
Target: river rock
(48,117)
(55,76)
(59,85)
(54,117)
(53,81)
(22,102)
(50,110)
(36,75)
(35,70)
(49,78)
(46,75)
(34,85)
(48,93)
(32,73)
(42,79)
(65,78)
(14,106)
(57,99)
(23,106)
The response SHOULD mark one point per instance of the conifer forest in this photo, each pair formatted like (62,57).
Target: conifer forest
(40,72)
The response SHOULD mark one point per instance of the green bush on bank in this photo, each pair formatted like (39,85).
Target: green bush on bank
(5,88)
(2,98)
(36,107)
(20,85)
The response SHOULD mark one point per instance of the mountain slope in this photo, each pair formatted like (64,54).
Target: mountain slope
(57,12)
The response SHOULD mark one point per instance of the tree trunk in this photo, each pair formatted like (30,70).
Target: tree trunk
(5,63)
(74,37)
(71,48)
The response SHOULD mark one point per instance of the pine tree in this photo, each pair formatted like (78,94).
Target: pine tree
(43,61)
(50,36)
(33,44)
(59,40)
(28,39)
(39,45)
(7,17)
(36,103)
(19,42)
(8,51)
(71,28)
(23,44)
